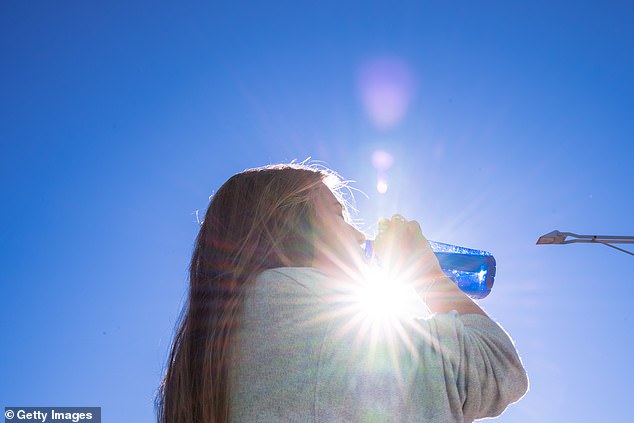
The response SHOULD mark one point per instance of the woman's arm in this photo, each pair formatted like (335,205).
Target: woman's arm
(488,372)
(407,254)
(441,295)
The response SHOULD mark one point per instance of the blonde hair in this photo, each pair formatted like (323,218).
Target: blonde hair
(259,219)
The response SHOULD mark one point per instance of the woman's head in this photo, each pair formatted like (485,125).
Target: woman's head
(267,217)
(273,216)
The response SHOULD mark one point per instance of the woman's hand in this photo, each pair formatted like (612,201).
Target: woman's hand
(406,254)
(404,251)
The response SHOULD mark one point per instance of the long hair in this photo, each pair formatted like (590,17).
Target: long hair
(259,219)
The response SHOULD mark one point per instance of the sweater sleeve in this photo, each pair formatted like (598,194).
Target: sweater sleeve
(448,368)
(482,370)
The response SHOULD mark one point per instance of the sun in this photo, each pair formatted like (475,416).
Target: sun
(379,298)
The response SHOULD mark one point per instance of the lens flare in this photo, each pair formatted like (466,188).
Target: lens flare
(382,161)
(386,86)
(381,186)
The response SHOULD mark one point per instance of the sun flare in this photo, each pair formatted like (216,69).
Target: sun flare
(379,299)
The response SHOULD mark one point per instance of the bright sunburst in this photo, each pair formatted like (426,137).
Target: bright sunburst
(380,298)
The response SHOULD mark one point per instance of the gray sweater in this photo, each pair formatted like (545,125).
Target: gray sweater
(306,353)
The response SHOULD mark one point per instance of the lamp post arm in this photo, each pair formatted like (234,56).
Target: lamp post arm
(616,248)
(599,238)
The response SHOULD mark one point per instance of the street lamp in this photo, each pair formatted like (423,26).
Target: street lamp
(556,237)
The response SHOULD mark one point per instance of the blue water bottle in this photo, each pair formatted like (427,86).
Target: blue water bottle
(472,270)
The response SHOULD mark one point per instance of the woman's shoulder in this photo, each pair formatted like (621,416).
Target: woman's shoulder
(304,281)
(291,273)
(281,295)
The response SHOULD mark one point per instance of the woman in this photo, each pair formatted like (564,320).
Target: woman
(275,328)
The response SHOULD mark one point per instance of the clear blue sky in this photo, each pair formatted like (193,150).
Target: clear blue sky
(505,120)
